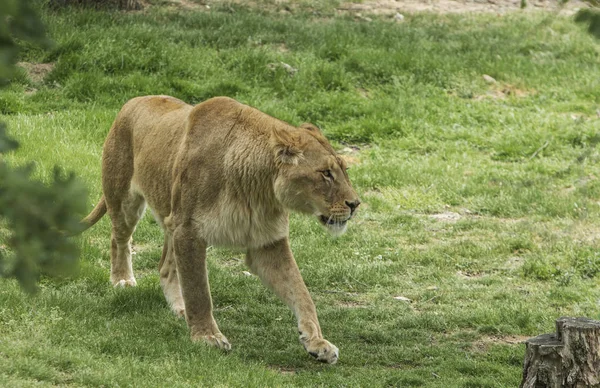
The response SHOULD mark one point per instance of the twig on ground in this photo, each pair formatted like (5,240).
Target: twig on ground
(546,144)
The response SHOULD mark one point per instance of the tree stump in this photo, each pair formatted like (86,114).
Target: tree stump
(570,358)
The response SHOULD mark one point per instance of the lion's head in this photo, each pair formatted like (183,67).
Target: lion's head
(312,178)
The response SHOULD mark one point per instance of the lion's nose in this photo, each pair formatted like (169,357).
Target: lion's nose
(353,205)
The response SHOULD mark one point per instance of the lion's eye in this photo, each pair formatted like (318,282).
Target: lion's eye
(327,174)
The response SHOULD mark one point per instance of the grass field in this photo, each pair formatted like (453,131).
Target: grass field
(481,200)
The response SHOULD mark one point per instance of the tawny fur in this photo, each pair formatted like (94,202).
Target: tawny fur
(220,173)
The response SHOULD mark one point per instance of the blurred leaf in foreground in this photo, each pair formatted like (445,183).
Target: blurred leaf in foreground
(34,217)
(591,17)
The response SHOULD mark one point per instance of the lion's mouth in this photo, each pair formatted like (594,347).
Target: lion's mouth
(334,226)
(331,221)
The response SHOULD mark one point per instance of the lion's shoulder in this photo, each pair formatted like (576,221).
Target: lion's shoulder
(216,106)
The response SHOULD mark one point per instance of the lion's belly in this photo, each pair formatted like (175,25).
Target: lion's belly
(156,192)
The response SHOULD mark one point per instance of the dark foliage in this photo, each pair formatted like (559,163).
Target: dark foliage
(591,17)
(34,217)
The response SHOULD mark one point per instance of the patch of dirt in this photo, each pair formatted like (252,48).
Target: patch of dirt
(484,343)
(579,231)
(283,370)
(446,217)
(364,93)
(36,71)
(352,304)
(503,91)
(189,5)
(281,47)
(396,8)
(391,7)
(469,275)
(513,263)
(509,221)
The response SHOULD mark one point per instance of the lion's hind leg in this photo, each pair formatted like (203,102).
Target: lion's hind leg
(124,215)
(169,281)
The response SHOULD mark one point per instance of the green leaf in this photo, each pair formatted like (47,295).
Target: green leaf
(6,143)
(38,216)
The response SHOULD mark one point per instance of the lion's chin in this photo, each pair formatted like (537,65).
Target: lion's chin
(335,228)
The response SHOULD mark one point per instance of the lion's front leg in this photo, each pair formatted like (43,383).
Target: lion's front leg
(276,267)
(190,256)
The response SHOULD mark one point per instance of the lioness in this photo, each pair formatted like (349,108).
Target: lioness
(220,173)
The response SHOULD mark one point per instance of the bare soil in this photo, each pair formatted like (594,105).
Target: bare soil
(393,7)
(36,71)
(483,344)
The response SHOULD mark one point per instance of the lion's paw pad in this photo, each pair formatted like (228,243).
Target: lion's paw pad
(217,340)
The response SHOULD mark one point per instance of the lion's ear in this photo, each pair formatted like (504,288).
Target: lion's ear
(288,148)
(311,127)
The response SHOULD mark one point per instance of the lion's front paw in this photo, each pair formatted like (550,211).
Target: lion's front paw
(124,283)
(217,340)
(322,350)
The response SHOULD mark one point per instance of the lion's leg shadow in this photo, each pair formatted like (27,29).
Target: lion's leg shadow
(276,267)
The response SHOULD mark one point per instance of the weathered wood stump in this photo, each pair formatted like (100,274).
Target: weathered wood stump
(570,358)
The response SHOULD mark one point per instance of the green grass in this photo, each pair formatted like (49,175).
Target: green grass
(481,201)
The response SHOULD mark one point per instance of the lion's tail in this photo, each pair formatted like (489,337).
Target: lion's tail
(95,215)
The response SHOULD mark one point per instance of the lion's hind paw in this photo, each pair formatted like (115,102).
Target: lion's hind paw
(125,283)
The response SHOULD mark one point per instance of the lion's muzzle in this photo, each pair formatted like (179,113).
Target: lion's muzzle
(353,206)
